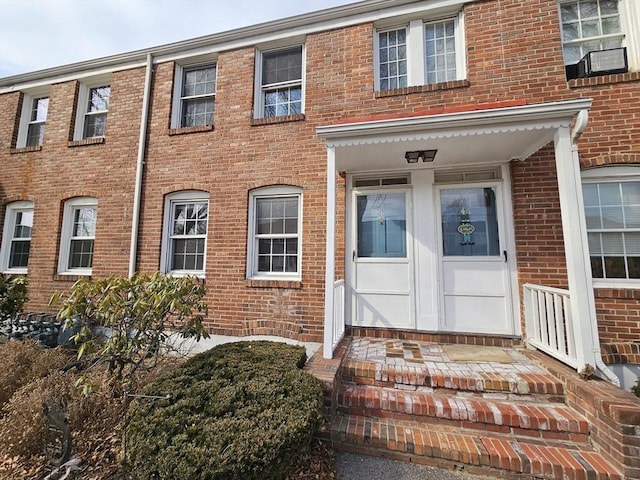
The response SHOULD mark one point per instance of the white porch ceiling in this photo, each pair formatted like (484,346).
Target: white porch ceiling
(463,138)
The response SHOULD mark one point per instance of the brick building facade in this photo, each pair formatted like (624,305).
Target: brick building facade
(222,146)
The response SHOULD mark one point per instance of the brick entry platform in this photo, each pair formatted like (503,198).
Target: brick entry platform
(490,409)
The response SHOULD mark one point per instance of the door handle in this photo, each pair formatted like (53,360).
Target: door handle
(353,256)
(504,252)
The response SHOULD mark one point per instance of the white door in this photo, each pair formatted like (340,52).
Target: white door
(382,283)
(475,282)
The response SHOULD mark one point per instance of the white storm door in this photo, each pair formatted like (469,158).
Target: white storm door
(382,270)
(475,281)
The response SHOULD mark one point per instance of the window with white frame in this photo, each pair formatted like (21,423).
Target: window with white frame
(195,96)
(185,233)
(78,236)
(33,117)
(420,53)
(592,25)
(612,211)
(281,83)
(275,240)
(93,107)
(16,237)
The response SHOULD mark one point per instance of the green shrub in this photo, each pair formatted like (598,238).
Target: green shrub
(13,294)
(238,411)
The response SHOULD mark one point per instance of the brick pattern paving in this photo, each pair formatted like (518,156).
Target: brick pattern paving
(407,399)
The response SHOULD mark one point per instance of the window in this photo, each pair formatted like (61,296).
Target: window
(275,233)
(93,107)
(33,117)
(78,236)
(196,92)
(612,210)
(281,84)
(420,53)
(591,25)
(185,233)
(16,238)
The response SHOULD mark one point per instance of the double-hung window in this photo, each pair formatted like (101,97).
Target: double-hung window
(612,210)
(16,238)
(37,119)
(420,53)
(93,108)
(33,117)
(78,236)
(197,96)
(281,75)
(275,233)
(185,233)
(592,25)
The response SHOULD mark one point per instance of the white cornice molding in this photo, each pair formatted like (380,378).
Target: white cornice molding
(476,122)
(276,30)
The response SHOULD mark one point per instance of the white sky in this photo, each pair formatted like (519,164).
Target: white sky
(37,34)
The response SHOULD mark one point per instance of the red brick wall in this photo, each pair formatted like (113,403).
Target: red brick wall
(513,54)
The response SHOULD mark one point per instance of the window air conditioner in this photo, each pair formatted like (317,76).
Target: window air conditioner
(603,62)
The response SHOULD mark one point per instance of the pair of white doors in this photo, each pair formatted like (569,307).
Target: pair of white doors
(472,269)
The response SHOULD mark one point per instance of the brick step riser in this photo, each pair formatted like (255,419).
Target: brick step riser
(489,453)
(495,385)
(546,434)
(554,421)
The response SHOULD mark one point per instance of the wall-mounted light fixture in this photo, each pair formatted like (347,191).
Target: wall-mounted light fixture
(416,156)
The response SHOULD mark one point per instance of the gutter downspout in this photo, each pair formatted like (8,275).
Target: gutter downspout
(576,131)
(142,145)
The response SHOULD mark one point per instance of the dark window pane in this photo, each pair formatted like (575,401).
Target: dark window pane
(634,267)
(263,263)
(95,125)
(35,134)
(614,267)
(282,66)
(292,264)
(596,267)
(19,255)
(81,254)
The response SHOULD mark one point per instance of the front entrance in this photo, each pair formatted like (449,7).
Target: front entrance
(451,269)
(382,279)
(475,288)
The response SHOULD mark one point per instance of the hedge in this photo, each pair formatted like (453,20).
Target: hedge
(238,411)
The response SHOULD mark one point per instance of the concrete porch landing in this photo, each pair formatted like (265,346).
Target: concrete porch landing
(501,410)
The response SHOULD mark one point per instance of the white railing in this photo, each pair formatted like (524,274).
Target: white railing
(338,313)
(549,323)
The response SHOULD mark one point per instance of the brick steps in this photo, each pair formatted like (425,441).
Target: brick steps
(544,420)
(508,455)
(467,377)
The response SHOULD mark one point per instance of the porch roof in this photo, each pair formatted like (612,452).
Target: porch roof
(481,134)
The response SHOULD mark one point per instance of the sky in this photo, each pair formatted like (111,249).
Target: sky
(38,34)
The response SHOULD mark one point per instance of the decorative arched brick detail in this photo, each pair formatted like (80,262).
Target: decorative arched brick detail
(276,182)
(609,160)
(182,187)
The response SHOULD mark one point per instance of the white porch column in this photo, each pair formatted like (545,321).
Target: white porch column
(574,232)
(330,266)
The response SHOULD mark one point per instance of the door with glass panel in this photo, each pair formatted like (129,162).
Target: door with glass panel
(382,283)
(475,288)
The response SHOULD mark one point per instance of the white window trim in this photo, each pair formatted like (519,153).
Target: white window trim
(7,235)
(176,110)
(165,257)
(252,249)
(416,54)
(613,174)
(65,236)
(82,103)
(628,10)
(25,114)
(259,93)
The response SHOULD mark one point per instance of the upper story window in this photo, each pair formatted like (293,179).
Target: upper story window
(281,87)
(594,25)
(420,53)
(195,97)
(93,107)
(16,238)
(185,233)
(612,210)
(33,117)
(79,220)
(275,240)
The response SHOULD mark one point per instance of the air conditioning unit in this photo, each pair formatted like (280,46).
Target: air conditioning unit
(603,62)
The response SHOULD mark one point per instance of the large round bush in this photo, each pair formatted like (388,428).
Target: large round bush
(238,411)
